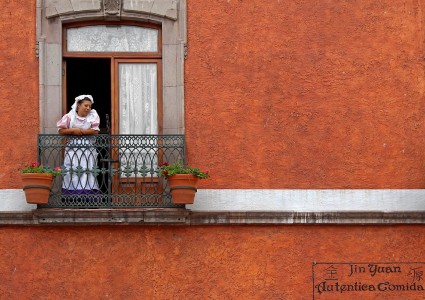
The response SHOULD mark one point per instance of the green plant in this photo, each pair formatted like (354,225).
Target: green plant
(177,168)
(36,167)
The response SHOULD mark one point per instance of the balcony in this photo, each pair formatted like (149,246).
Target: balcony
(110,171)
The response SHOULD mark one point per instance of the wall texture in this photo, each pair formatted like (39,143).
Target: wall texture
(278,94)
(19,115)
(212,262)
(302,94)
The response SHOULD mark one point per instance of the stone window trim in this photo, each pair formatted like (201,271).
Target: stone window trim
(53,14)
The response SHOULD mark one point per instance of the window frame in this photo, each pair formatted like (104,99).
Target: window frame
(115,59)
(52,17)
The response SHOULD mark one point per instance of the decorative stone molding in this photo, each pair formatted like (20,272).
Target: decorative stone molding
(55,8)
(107,8)
(161,8)
(112,7)
(37,49)
(186,51)
(183,217)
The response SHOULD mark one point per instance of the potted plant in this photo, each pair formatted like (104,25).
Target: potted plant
(183,181)
(37,181)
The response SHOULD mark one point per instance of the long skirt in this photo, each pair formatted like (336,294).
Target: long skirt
(79,178)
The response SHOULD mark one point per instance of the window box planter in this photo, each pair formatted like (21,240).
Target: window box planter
(37,187)
(183,181)
(183,188)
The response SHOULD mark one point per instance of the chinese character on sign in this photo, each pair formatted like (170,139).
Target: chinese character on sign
(416,274)
(331,273)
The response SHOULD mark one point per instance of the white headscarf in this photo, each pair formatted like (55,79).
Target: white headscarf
(73,111)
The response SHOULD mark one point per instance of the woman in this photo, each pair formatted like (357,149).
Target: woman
(80,154)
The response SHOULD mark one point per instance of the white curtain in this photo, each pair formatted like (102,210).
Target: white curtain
(102,38)
(138,113)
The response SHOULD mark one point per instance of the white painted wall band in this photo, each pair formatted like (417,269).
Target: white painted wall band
(278,200)
(14,200)
(310,200)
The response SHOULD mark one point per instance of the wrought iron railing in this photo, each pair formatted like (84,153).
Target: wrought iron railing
(110,171)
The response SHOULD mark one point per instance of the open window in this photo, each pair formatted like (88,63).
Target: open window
(120,65)
(81,48)
(110,30)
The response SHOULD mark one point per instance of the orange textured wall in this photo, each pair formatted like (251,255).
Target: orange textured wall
(19,115)
(306,94)
(278,94)
(216,262)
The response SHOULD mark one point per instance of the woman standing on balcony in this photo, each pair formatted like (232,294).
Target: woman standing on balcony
(80,153)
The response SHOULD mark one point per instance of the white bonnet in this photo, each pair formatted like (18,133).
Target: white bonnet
(81,97)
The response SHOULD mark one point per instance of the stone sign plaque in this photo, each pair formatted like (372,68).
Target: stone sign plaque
(368,280)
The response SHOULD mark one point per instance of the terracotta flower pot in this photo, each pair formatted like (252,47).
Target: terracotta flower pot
(36,187)
(183,188)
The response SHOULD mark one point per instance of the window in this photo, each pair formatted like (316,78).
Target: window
(159,28)
(120,65)
(125,49)
(112,38)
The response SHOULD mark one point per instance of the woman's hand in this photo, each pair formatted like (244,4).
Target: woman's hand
(77,131)
(88,131)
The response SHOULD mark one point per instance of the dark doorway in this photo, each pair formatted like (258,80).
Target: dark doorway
(90,76)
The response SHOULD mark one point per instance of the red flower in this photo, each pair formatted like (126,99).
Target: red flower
(35,164)
(164,164)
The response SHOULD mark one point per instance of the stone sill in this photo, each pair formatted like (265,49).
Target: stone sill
(188,217)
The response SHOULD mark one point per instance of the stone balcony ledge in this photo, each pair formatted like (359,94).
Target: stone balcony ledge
(167,216)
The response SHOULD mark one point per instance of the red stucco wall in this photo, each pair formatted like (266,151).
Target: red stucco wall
(278,94)
(216,262)
(306,94)
(19,116)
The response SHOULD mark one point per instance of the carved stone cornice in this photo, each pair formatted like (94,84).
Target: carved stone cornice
(112,7)
(56,8)
(185,217)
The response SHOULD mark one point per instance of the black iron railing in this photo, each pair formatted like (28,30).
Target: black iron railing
(110,171)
